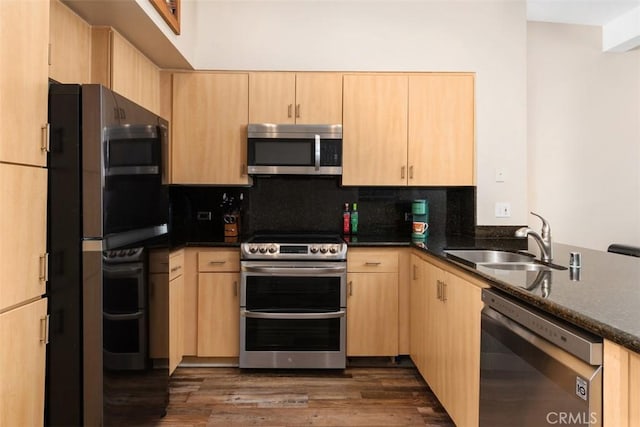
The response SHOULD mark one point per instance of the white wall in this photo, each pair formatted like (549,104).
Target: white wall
(486,37)
(584,136)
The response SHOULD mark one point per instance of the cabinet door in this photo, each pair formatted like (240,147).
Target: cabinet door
(120,66)
(441,129)
(375,130)
(22,365)
(209,128)
(218,315)
(23,227)
(133,75)
(272,97)
(418,313)
(318,98)
(461,327)
(435,353)
(176,322)
(372,314)
(24,41)
(70,46)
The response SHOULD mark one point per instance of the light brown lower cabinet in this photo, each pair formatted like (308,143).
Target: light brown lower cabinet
(445,336)
(176,309)
(23,337)
(621,388)
(218,303)
(372,302)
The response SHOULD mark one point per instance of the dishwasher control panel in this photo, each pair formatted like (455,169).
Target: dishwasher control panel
(581,344)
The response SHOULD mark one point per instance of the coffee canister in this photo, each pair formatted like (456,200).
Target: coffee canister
(419,207)
(420,226)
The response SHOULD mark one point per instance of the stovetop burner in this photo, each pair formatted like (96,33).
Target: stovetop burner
(299,246)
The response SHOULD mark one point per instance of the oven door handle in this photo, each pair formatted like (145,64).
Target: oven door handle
(128,316)
(122,270)
(294,270)
(293,316)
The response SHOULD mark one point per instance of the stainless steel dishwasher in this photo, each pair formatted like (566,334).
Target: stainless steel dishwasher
(536,370)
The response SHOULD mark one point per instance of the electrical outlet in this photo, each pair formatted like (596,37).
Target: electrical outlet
(503,210)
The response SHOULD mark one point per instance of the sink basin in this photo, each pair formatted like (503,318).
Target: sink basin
(516,266)
(480,256)
(500,260)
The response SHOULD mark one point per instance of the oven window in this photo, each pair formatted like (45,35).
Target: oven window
(292,294)
(132,152)
(134,201)
(292,335)
(292,152)
(122,335)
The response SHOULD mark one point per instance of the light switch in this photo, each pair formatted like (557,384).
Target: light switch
(503,210)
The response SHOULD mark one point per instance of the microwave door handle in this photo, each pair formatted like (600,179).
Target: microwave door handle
(317,152)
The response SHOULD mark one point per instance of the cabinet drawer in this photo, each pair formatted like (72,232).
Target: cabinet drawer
(219,260)
(159,261)
(372,261)
(176,264)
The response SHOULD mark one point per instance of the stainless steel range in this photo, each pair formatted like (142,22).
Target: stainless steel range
(293,301)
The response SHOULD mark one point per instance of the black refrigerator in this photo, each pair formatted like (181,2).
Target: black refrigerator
(107,359)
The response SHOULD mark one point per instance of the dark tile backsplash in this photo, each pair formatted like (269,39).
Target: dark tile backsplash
(315,204)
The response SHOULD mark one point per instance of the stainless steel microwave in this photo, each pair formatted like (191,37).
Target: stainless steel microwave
(287,149)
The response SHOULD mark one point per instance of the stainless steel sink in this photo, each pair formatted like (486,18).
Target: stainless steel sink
(499,260)
(480,256)
(516,266)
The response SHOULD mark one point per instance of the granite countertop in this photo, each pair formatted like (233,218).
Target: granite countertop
(603,296)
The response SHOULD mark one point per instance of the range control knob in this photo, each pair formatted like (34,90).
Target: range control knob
(314,249)
(323,249)
(334,249)
(253,249)
(273,249)
(263,249)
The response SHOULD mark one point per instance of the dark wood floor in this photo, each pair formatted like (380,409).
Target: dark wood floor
(357,396)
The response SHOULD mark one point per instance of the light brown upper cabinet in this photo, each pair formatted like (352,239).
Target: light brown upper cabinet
(120,66)
(210,116)
(70,39)
(415,129)
(305,98)
(441,129)
(23,81)
(375,129)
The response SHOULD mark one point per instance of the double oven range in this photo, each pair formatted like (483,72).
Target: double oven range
(293,301)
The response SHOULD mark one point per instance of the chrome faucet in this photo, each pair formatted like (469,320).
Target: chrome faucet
(543,239)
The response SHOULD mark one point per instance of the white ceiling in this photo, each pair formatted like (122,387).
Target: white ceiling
(585,12)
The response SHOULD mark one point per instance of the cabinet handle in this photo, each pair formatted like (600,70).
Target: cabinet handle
(411,172)
(351,288)
(439,291)
(44,267)
(289,110)
(298,111)
(44,329)
(217,262)
(415,272)
(176,268)
(444,291)
(235,288)
(372,263)
(44,143)
(243,170)
(402,171)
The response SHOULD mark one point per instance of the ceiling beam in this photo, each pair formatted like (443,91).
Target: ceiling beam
(623,33)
